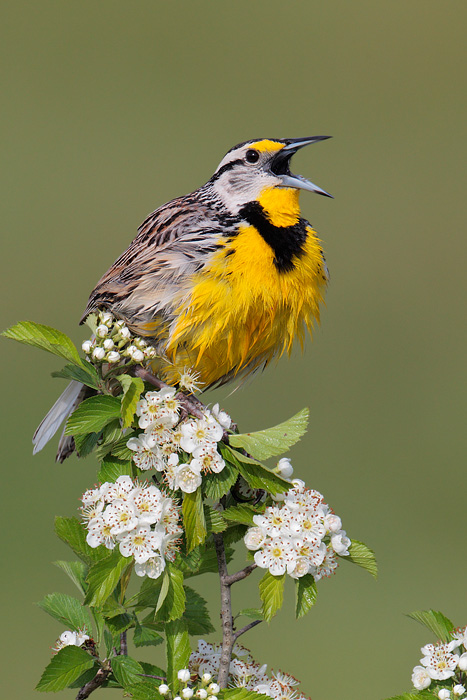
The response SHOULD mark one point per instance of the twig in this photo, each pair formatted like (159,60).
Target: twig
(245,629)
(123,644)
(93,684)
(149,675)
(240,575)
(226,612)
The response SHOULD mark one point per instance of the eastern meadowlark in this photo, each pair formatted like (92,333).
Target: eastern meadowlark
(220,280)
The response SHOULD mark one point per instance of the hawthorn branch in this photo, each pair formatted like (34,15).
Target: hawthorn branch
(240,575)
(95,683)
(226,611)
(123,645)
(246,628)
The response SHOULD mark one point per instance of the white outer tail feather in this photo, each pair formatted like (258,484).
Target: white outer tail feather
(55,417)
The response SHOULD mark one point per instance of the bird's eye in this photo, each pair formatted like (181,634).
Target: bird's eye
(251,156)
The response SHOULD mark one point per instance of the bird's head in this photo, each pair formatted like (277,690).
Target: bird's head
(255,167)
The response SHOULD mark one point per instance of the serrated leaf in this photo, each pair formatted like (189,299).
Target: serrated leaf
(104,576)
(86,443)
(196,613)
(217,485)
(45,338)
(126,670)
(194,522)
(112,468)
(173,603)
(436,622)
(92,415)
(145,636)
(243,694)
(67,665)
(306,594)
(363,556)
(255,474)
(214,520)
(133,387)
(85,374)
(271,591)
(178,650)
(118,448)
(71,531)
(67,610)
(243,513)
(76,571)
(273,441)
(120,623)
(146,689)
(421,695)
(233,534)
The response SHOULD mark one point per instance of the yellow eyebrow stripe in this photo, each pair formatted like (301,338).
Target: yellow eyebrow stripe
(267,145)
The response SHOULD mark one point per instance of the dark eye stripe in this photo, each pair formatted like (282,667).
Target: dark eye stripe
(225,168)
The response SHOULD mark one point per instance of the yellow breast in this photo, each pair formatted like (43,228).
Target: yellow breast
(242,311)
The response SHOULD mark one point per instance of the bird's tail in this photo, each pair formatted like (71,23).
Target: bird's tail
(65,404)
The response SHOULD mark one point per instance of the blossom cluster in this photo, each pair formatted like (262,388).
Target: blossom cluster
(244,672)
(298,536)
(203,688)
(445,661)
(71,638)
(113,342)
(181,451)
(137,516)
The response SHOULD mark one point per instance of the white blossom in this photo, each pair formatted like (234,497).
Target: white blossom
(113,357)
(214,688)
(444,694)
(102,331)
(183,675)
(187,693)
(147,453)
(284,468)
(99,532)
(140,543)
(458,690)
(221,417)
(87,346)
(341,543)
(198,432)
(121,516)
(152,568)
(188,477)
(98,353)
(207,458)
(440,663)
(420,678)
(163,689)
(108,344)
(462,663)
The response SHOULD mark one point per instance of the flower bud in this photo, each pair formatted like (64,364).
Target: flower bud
(206,677)
(163,689)
(113,357)
(106,317)
(125,332)
(458,690)
(462,663)
(183,675)
(87,346)
(102,331)
(108,344)
(444,694)
(202,693)
(284,468)
(98,353)
(138,355)
(187,693)
(214,689)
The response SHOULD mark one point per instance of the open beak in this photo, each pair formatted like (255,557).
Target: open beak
(280,165)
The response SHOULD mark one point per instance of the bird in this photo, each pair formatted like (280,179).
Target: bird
(221,280)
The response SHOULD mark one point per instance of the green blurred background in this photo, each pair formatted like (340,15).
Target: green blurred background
(111,108)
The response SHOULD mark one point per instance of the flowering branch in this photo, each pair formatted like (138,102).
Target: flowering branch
(226,612)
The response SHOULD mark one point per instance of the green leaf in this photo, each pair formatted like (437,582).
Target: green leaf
(233,534)
(306,594)
(133,387)
(67,610)
(76,571)
(178,651)
(214,520)
(421,695)
(71,531)
(273,441)
(92,415)
(193,519)
(112,468)
(146,689)
(85,374)
(119,448)
(126,670)
(104,576)
(86,443)
(120,623)
(145,636)
(243,694)
(46,338)
(217,485)
(172,604)
(436,622)
(363,556)
(242,513)
(271,590)
(255,473)
(67,665)
(196,613)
